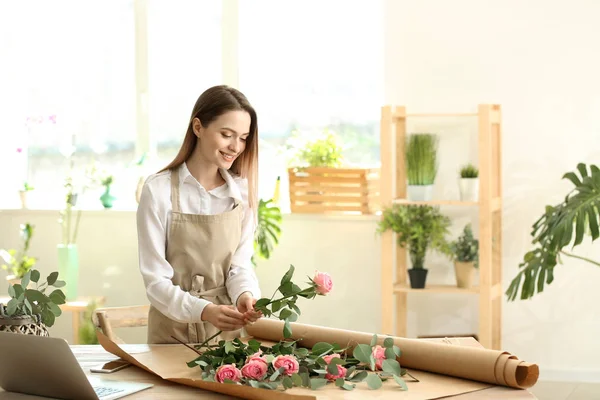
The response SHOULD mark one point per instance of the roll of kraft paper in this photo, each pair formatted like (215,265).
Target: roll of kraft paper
(483,365)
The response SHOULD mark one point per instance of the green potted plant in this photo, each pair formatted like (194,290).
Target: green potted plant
(268,229)
(18,263)
(25,189)
(323,151)
(468,183)
(107,198)
(418,229)
(421,165)
(466,257)
(30,310)
(558,231)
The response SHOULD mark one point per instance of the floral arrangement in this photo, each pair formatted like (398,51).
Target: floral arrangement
(285,364)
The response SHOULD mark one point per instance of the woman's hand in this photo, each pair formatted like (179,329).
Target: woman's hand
(224,318)
(245,305)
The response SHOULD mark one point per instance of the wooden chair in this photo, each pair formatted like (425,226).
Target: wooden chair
(108,318)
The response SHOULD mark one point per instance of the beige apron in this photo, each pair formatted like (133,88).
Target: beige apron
(200,249)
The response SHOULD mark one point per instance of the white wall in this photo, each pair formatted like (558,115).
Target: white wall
(540,60)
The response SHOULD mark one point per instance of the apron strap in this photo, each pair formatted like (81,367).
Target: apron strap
(175,190)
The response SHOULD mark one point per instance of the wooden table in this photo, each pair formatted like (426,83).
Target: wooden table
(77,308)
(94,355)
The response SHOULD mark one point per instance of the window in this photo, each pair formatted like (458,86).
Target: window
(68,87)
(323,68)
(184,59)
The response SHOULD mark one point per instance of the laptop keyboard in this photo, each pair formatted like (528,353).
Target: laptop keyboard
(103,391)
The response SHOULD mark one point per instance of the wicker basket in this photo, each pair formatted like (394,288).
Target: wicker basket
(23,324)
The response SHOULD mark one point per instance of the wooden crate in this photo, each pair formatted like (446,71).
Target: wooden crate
(334,190)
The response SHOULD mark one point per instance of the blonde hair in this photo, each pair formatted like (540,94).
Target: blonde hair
(210,105)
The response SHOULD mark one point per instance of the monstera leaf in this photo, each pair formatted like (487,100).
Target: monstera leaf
(560,226)
(268,230)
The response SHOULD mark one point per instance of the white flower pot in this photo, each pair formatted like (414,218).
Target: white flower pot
(420,192)
(469,189)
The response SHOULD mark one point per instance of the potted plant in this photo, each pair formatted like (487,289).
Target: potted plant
(107,198)
(468,183)
(18,263)
(418,229)
(32,311)
(421,165)
(23,193)
(466,257)
(268,229)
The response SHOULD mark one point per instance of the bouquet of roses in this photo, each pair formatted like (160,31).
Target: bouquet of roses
(287,365)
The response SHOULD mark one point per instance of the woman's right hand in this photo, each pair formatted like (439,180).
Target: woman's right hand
(224,318)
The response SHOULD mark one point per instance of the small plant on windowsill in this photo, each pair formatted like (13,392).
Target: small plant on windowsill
(107,198)
(25,189)
(18,263)
(31,310)
(468,183)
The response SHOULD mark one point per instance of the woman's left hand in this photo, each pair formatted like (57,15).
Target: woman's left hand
(245,305)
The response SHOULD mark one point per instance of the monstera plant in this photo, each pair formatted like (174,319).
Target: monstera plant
(268,230)
(561,226)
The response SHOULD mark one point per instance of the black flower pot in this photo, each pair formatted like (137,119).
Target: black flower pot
(417,276)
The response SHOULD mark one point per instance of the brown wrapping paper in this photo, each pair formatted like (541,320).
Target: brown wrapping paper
(490,366)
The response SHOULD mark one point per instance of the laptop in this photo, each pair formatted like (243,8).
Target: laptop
(46,366)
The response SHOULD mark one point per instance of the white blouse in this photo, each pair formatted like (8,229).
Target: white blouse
(153,222)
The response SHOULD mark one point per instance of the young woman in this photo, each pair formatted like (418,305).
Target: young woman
(196,221)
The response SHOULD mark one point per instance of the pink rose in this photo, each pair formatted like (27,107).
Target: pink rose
(256,357)
(228,371)
(255,370)
(323,282)
(288,362)
(328,358)
(379,356)
(340,374)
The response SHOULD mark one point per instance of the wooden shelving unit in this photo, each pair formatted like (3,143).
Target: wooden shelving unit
(395,287)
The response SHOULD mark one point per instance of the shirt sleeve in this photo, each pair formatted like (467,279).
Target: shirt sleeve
(242,277)
(156,270)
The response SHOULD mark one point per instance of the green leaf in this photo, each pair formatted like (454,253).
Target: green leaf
(55,309)
(57,297)
(287,330)
(11,307)
(349,371)
(363,353)
(28,307)
(229,347)
(332,369)
(268,385)
(262,302)
(288,276)
(287,382)
(276,306)
(35,275)
(373,340)
(348,386)
(201,363)
(389,354)
(297,380)
(317,383)
(374,381)
(388,343)
(305,379)
(400,382)
(11,291)
(52,278)
(301,352)
(339,382)
(48,317)
(18,290)
(361,376)
(391,366)
(59,284)
(284,313)
(275,374)
(34,295)
(26,279)
(397,350)
(321,348)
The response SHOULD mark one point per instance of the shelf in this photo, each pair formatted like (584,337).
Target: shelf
(436,202)
(436,115)
(403,288)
